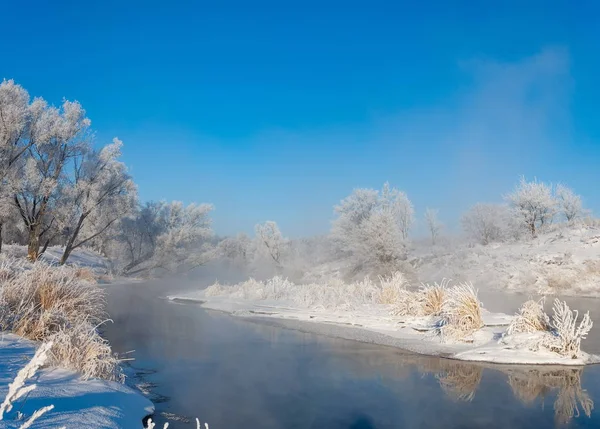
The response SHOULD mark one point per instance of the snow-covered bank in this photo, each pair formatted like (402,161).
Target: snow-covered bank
(372,323)
(564,261)
(77,403)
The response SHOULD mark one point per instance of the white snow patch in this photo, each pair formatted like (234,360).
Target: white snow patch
(77,403)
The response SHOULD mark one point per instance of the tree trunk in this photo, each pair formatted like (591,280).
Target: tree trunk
(66,253)
(71,243)
(33,243)
(1,225)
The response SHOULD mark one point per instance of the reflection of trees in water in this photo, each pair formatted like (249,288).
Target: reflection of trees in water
(528,385)
(458,380)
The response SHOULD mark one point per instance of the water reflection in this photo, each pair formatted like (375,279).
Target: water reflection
(529,385)
(460,380)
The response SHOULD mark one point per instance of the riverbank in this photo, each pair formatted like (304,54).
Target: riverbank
(372,324)
(77,403)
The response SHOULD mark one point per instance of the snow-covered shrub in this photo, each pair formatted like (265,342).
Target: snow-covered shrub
(566,329)
(560,334)
(461,314)
(530,318)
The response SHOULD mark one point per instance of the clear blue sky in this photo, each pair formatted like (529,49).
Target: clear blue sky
(277,110)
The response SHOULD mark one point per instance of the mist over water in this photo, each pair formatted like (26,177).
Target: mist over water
(234,373)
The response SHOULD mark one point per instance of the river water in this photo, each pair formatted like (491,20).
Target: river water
(238,374)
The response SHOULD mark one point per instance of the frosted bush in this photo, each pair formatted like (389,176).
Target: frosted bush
(560,334)
(530,318)
(564,322)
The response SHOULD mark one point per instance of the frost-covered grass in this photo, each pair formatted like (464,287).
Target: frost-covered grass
(560,334)
(461,312)
(335,294)
(59,304)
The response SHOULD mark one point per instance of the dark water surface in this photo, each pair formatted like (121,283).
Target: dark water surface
(237,374)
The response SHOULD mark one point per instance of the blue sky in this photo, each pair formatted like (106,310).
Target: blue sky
(277,110)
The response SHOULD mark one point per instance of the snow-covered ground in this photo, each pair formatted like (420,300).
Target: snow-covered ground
(565,261)
(373,323)
(81,257)
(77,403)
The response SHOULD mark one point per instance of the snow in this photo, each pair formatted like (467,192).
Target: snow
(372,323)
(77,403)
(564,261)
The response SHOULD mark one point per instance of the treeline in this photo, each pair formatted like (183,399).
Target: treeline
(372,228)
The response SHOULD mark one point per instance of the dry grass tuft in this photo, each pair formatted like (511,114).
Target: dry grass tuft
(54,303)
(392,288)
(86,274)
(461,315)
(530,318)
(82,349)
(434,297)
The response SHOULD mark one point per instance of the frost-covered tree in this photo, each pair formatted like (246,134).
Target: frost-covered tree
(15,120)
(486,223)
(400,206)
(382,245)
(14,141)
(56,136)
(97,194)
(165,236)
(569,203)
(236,249)
(434,226)
(372,226)
(533,203)
(270,241)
